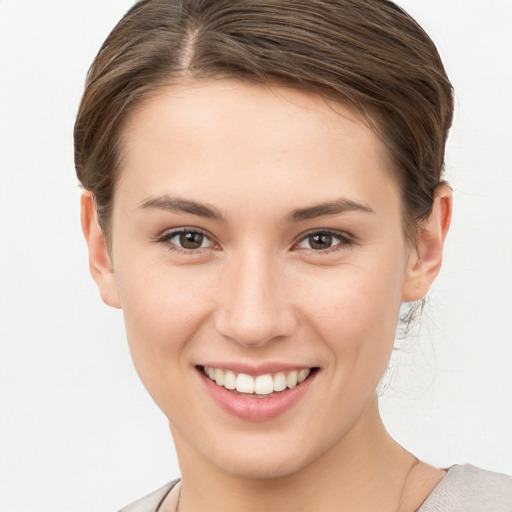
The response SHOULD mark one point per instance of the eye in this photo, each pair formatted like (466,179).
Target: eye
(186,240)
(323,241)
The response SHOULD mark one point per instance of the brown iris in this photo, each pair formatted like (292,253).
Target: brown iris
(191,240)
(320,241)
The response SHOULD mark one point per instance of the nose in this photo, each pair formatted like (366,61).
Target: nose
(253,308)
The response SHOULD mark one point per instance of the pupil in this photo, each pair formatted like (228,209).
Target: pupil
(321,241)
(190,240)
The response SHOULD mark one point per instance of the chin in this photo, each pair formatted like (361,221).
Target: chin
(260,467)
(262,457)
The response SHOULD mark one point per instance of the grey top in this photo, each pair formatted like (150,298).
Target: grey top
(469,489)
(463,489)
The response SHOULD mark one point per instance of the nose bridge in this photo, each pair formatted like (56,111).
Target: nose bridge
(254,309)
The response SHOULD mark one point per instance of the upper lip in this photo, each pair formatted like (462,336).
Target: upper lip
(256,369)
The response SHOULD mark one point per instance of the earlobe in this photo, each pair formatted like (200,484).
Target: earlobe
(425,261)
(99,259)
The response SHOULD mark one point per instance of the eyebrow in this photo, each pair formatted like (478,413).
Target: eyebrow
(178,205)
(337,206)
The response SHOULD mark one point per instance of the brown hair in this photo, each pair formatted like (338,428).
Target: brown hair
(369,53)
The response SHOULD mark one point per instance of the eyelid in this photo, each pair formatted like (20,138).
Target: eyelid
(167,235)
(344,238)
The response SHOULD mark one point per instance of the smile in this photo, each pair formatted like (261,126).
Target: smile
(260,385)
(262,396)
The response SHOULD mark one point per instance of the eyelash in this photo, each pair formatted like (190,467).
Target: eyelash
(169,235)
(343,239)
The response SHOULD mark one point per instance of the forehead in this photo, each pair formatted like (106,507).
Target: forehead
(266,144)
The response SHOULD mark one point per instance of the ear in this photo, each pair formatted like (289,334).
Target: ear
(425,261)
(99,259)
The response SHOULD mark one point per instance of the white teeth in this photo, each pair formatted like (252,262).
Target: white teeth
(302,375)
(219,377)
(244,383)
(264,384)
(229,380)
(291,380)
(280,382)
(261,385)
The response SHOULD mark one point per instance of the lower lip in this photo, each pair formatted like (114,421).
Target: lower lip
(256,409)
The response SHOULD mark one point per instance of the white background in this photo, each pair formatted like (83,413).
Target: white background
(77,430)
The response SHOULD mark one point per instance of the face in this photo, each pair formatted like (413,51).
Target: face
(257,237)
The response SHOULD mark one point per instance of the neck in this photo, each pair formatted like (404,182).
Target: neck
(365,471)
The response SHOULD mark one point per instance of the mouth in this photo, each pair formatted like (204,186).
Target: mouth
(274,392)
(259,386)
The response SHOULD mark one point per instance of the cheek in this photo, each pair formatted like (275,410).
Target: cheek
(164,310)
(355,312)
(353,300)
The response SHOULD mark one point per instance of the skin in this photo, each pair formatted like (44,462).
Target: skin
(258,290)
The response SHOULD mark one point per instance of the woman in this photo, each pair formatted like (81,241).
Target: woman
(263,191)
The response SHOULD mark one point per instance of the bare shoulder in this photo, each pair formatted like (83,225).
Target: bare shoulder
(421,481)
